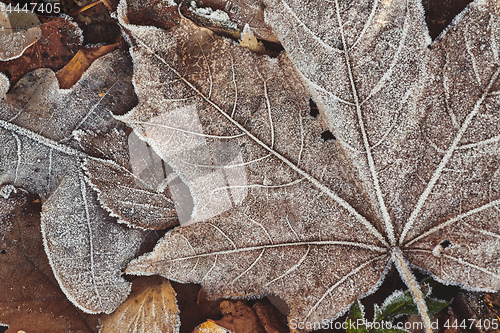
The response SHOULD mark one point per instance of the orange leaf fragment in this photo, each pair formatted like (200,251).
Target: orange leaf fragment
(82,60)
(209,327)
(239,318)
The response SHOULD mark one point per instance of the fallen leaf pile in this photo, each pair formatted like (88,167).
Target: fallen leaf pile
(398,166)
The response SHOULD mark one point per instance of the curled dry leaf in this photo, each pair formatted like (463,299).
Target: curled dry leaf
(412,180)
(271,319)
(151,307)
(30,298)
(18,31)
(159,13)
(86,248)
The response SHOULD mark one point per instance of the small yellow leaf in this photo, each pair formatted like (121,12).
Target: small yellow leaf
(151,308)
(249,40)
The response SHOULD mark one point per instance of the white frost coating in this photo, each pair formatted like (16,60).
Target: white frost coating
(169,3)
(409,279)
(216,16)
(149,167)
(214,171)
(4,85)
(95,284)
(247,32)
(7,190)
(370,77)
(456,20)
(73,23)
(86,249)
(145,163)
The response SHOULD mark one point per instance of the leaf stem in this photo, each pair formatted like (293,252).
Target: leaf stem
(409,279)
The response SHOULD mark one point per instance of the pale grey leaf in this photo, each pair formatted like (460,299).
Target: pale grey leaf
(87,250)
(460,203)
(128,197)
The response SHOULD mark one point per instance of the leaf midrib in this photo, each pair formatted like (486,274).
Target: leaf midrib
(283,159)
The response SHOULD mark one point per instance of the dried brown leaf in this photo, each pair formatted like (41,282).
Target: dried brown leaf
(239,318)
(482,308)
(151,307)
(271,319)
(246,83)
(244,12)
(42,153)
(159,13)
(73,71)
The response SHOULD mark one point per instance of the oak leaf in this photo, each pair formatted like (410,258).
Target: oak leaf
(59,35)
(282,208)
(47,134)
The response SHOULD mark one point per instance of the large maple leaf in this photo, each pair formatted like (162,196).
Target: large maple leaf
(412,178)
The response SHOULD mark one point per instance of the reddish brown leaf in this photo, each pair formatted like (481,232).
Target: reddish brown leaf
(153,13)
(272,320)
(209,308)
(59,43)
(239,318)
